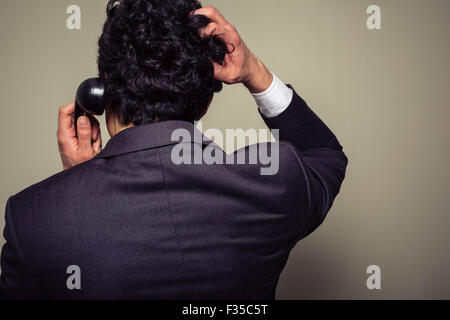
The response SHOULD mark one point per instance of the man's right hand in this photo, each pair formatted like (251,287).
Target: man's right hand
(75,150)
(240,65)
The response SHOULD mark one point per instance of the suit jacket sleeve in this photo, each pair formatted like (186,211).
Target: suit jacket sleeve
(15,279)
(319,156)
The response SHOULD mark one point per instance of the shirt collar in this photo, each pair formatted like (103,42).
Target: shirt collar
(149,136)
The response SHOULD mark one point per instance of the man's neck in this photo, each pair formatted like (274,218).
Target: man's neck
(114,125)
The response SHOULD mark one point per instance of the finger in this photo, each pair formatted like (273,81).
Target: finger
(212,29)
(213,14)
(65,117)
(208,30)
(96,137)
(66,130)
(95,128)
(219,72)
(94,132)
(97,145)
(84,135)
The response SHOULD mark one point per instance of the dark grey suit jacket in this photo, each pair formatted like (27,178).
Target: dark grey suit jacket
(140,227)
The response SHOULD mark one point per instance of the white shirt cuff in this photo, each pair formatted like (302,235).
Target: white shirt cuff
(275,99)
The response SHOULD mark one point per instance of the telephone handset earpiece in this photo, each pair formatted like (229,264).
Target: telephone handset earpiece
(89,99)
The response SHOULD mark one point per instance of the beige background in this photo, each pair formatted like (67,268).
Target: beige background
(385,94)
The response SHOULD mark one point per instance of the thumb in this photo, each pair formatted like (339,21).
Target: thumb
(219,72)
(84,134)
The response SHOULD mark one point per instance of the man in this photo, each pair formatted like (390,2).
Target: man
(126,222)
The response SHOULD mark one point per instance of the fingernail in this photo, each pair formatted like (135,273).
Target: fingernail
(84,122)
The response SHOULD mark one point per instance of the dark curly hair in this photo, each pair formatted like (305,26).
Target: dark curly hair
(155,65)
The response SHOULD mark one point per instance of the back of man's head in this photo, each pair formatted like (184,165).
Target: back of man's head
(156,65)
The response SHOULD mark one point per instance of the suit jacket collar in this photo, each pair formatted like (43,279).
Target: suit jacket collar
(148,136)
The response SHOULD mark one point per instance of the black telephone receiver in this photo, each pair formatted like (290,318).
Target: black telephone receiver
(89,99)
